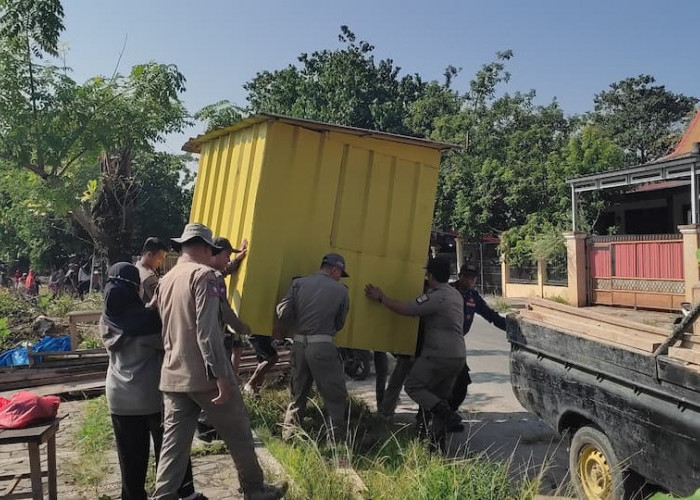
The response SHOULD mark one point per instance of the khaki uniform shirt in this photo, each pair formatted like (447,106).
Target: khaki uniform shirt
(442,313)
(149,282)
(316,305)
(189,300)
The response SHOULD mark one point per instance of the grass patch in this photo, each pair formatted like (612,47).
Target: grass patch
(408,470)
(313,475)
(392,464)
(215,448)
(61,305)
(500,305)
(559,299)
(93,438)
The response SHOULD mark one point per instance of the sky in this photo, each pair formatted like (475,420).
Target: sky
(564,49)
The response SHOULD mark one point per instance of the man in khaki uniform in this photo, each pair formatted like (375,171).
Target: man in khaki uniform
(152,256)
(442,357)
(317,306)
(196,373)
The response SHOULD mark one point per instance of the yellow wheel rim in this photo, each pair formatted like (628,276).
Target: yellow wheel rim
(595,473)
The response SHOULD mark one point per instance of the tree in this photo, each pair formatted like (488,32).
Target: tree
(642,118)
(510,166)
(345,86)
(58,129)
(221,114)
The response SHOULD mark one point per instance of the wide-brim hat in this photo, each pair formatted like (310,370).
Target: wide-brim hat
(192,231)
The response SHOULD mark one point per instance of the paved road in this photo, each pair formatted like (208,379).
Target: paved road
(496,423)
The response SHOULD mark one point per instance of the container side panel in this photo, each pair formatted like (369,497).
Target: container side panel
(242,208)
(297,194)
(232,188)
(211,181)
(197,209)
(224,171)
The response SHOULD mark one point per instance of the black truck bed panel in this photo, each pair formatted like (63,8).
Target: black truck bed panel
(655,424)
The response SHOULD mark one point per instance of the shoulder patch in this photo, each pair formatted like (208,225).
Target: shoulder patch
(423,299)
(215,289)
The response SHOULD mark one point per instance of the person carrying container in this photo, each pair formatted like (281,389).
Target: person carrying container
(317,305)
(430,380)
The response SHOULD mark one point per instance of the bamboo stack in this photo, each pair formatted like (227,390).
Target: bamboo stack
(611,330)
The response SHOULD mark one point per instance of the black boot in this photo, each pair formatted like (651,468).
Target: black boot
(444,414)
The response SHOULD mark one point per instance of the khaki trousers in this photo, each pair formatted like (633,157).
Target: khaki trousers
(431,380)
(180,420)
(318,362)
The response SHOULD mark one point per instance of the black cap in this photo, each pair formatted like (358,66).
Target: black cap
(468,269)
(225,244)
(439,267)
(336,260)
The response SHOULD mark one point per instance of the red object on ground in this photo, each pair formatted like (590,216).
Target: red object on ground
(26,408)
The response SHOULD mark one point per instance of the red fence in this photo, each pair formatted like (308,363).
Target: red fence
(644,271)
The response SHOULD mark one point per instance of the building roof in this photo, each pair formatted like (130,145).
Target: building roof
(678,165)
(194,144)
(691,136)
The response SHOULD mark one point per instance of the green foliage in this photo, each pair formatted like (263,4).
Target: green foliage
(410,471)
(4,332)
(162,205)
(538,239)
(644,119)
(500,305)
(348,86)
(61,305)
(55,129)
(32,24)
(221,114)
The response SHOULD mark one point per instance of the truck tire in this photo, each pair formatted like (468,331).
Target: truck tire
(595,470)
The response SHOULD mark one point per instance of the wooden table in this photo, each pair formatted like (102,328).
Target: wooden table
(34,437)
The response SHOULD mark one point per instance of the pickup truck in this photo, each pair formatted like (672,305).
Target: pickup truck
(631,416)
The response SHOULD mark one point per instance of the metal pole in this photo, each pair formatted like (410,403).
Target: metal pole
(481,265)
(693,195)
(92,270)
(574,208)
(459,250)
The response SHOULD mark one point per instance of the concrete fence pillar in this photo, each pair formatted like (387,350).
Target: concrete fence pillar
(691,271)
(576,268)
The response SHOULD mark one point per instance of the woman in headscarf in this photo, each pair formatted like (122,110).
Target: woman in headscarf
(132,335)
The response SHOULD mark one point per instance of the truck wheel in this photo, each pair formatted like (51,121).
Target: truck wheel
(595,469)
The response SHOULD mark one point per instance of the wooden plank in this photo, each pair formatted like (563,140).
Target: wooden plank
(13,483)
(691,342)
(633,364)
(14,386)
(36,433)
(81,353)
(85,316)
(684,354)
(64,388)
(587,313)
(590,329)
(35,471)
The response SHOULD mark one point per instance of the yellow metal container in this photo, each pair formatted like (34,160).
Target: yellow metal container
(298,189)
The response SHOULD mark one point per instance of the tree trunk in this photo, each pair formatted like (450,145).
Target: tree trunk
(113,212)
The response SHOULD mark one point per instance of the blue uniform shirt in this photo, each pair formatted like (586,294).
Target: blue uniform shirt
(475,304)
